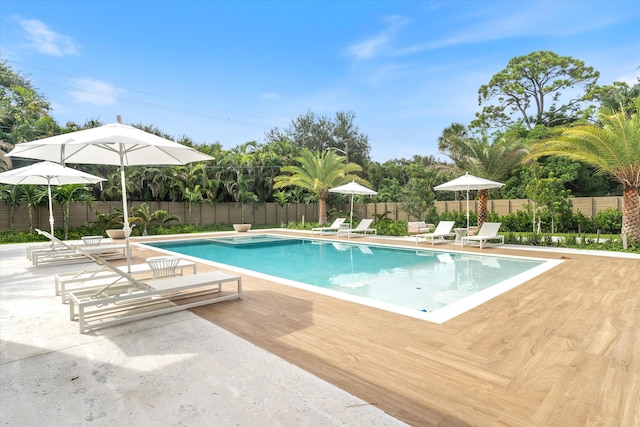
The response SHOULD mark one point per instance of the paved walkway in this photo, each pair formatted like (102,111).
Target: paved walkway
(176,369)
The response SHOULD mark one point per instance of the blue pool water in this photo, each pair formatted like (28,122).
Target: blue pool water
(415,280)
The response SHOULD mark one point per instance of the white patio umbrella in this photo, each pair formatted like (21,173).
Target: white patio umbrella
(112,144)
(468,182)
(353,188)
(47,173)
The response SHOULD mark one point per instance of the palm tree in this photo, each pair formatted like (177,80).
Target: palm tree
(32,197)
(480,157)
(68,194)
(612,147)
(145,217)
(193,198)
(246,197)
(318,172)
(12,195)
(281,199)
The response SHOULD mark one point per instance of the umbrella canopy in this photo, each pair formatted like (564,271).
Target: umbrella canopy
(47,173)
(112,144)
(466,183)
(353,188)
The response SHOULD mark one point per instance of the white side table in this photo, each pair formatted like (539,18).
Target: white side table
(460,233)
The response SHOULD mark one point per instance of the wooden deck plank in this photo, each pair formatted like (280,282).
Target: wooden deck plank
(562,349)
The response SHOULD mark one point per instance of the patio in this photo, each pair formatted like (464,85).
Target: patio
(560,350)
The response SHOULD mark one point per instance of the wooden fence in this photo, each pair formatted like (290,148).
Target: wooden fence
(271,213)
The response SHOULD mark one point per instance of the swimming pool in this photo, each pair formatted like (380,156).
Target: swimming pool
(419,282)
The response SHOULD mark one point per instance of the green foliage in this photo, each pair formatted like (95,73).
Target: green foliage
(20,237)
(608,221)
(318,172)
(610,147)
(548,195)
(320,133)
(107,221)
(387,227)
(144,217)
(418,197)
(519,221)
(68,194)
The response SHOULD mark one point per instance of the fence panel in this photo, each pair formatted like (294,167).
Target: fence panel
(271,213)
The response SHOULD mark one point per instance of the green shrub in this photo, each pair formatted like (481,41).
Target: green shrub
(387,227)
(519,221)
(608,221)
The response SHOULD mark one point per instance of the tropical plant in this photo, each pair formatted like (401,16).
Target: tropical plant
(611,147)
(318,172)
(246,197)
(12,195)
(107,221)
(144,217)
(68,194)
(32,197)
(281,199)
(193,198)
(485,159)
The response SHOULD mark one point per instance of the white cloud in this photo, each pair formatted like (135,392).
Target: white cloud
(530,22)
(630,79)
(46,41)
(270,96)
(94,92)
(368,48)
(371,47)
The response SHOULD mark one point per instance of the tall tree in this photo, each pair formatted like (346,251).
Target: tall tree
(318,172)
(319,133)
(612,147)
(23,112)
(539,88)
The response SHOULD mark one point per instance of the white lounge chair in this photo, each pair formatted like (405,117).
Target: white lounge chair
(52,246)
(57,252)
(442,230)
(337,224)
(130,299)
(488,231)
(363,228)
(70,256)
(96,276)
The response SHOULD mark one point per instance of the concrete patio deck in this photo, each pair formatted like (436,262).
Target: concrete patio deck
(176,369)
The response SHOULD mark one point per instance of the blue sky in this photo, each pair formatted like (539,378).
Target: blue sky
(229,71)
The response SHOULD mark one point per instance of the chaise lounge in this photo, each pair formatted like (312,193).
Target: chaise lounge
(363,228)
(488,231)
(96,276)
(128,299)
(442,230)
(337,224)
(57,253)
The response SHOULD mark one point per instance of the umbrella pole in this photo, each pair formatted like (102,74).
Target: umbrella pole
(467,210)
(50,209)
(126,228)
(351,217)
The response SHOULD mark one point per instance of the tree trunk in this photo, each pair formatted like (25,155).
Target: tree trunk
(483,195)
(631,213)
(322,210)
